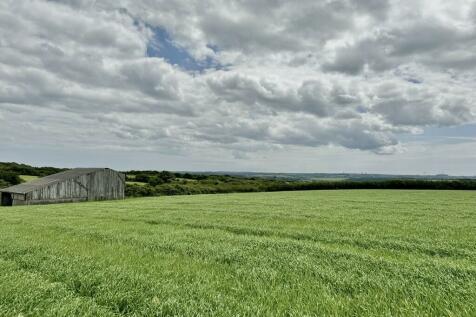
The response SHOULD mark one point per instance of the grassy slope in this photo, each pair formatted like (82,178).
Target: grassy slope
(136,183)
(28,178)
(325,252)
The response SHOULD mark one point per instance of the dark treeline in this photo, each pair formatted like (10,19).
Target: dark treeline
(10,172)
(164,176)
(23,169)
(8,178)
(210,186)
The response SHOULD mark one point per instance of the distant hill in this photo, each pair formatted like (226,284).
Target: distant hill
(334,176)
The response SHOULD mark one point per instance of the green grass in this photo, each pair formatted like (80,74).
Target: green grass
(315,253)
(28,178)
(135,183)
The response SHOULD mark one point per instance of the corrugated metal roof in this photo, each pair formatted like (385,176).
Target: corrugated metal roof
(47,180)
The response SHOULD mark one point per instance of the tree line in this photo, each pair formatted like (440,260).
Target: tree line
(10,172)
(226,184)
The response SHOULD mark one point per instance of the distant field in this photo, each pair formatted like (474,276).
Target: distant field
(28,178)
(314,253)
(135,183)
(330,179)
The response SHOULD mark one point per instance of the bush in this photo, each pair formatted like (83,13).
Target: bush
(3,184)
(23,169)
(142,178)
(10,177)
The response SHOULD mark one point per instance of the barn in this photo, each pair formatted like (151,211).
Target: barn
(79,184)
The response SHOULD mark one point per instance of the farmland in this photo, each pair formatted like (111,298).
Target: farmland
(347,252)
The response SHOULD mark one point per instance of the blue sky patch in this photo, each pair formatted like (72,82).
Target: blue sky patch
(463,133)
(163,46)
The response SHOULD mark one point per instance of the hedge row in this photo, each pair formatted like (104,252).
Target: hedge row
(270,186)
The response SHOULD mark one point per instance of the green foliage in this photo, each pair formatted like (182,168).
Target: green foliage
(10,173)
(161,178)
(23,169)
(216,184)
(142,177)
(9,178)
(3,183)
(313,253)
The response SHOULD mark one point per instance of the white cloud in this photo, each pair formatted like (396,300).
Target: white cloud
(309,74)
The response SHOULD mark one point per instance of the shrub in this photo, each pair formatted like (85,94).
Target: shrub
(10,177)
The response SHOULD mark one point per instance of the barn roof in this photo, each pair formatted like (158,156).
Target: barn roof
(48,180)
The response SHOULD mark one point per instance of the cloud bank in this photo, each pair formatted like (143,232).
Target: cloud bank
(267,75)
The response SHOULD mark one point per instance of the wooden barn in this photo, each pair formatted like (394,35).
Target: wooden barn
(79,184)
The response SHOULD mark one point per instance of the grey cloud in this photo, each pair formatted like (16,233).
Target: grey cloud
(430,42)
(248,34)
(421,106)
(249,26)
(300,130)
(84,61)
(306,73)
(284,26)
(376,8)
(76,3)
(352,59)
(422,113)
(424,36)
(311,96)
(77,31)
(313,99)
(153,77)
(355,134)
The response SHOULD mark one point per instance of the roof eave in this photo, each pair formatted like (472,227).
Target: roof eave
(6,190)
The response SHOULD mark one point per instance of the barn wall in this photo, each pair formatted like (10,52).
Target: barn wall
(50,201)
(74,188)
(107,184)
(18,199)
(19,202)
(99,185)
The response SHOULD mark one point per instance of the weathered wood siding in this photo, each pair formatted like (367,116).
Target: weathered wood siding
(68,189)
(107,184)
(18,199)
(100,185)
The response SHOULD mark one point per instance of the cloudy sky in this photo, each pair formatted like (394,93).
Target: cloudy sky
(385,86)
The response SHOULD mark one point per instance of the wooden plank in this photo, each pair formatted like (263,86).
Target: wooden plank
(99,185)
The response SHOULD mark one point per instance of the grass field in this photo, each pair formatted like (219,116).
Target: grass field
(136,183)
(28,178)
(349,253)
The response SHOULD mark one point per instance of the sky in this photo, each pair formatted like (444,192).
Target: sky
(375,86)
